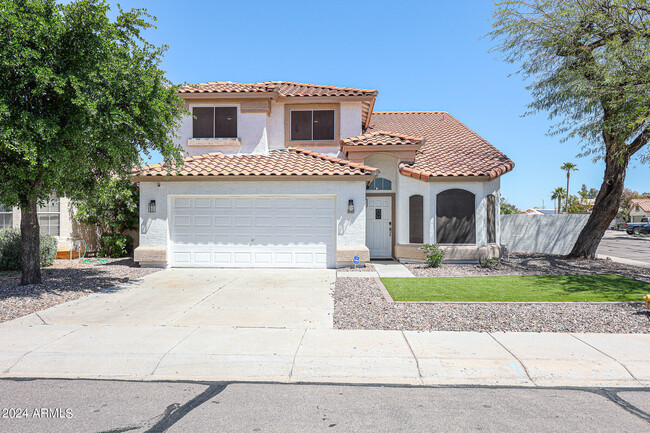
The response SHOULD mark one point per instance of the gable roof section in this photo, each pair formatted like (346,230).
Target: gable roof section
(450,148)
(283,162)
(382,138)
(288,89)
(644,204)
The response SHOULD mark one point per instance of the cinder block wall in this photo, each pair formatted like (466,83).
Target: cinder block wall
(546,234)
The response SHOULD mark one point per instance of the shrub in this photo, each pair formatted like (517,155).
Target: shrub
(10,250)
(489,263)
(115,245)
(434,253)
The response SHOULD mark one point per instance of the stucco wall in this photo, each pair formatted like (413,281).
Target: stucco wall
(351,228)
(251,129)
(408,186)
(260,133)
(547,234)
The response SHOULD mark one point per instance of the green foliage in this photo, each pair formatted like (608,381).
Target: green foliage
(10,250)
(82,97)
(115,245)
(558,194)
(577,205)
(113,206)
(588,66)
(508,208)
(434,254)
(487,263)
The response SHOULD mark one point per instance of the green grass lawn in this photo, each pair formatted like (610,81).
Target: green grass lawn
(530,288)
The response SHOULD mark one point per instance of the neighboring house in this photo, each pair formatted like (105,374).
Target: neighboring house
(284,174)
(540,211)
(54,218)
(639,208)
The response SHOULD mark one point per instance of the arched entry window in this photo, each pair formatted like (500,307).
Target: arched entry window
(380,184)
(416,219)
(455,217)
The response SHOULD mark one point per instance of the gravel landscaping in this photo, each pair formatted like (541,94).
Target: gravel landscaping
(360,304)
(64,281)
(534,264)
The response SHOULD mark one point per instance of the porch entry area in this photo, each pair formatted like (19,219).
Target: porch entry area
(379,226)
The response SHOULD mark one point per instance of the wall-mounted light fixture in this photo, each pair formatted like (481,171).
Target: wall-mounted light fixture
(152,206)
(350,206)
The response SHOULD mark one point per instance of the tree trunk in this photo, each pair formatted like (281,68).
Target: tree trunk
(30,245)
(604,211)
(566,204)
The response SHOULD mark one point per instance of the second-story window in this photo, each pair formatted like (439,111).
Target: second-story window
(312,125)
(214,122)
(6,217)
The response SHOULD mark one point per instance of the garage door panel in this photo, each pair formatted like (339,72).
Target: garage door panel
(253,231)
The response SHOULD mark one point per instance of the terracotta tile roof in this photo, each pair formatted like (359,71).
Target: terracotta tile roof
(450,148)
(378,138)
(644,203)
(282,88)
(291,89)
(283,162)
(226,87)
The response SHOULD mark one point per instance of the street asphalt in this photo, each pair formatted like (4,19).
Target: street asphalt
(620,244)
(121,406)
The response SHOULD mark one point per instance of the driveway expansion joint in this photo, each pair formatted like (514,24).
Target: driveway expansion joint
(170,349)
(609,356)
(417,362)
(514,356)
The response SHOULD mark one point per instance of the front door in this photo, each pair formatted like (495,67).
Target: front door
(379,227)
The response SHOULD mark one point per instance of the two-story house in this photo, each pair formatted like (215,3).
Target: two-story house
(284,174)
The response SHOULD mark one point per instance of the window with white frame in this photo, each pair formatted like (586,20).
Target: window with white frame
(6,218)
(312,125)
(49,217)
(214,122)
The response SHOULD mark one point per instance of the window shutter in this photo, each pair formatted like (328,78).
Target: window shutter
(416,219)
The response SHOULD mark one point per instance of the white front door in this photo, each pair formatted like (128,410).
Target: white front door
(379,227)
(253,231)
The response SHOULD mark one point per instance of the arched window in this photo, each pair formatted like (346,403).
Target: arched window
(416,223)
(491,219)
(455,217)
(380,184)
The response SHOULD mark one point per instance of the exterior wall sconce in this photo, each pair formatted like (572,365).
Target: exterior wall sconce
(350,206)
(152,206)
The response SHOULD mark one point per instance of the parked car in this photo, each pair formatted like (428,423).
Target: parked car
(636,228)
(645,230)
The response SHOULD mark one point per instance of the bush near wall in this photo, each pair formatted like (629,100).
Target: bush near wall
(10,250)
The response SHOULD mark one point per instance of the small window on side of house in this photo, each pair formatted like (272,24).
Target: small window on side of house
(416,219)
(49,217)
(6,218)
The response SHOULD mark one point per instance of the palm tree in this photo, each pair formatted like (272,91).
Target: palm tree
(568,167)
(557,194)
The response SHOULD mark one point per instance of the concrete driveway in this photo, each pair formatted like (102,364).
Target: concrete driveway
(273,298)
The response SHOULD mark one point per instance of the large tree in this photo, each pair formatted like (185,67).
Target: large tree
(588,66)
(81,97)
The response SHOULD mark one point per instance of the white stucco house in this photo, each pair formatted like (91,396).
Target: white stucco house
(284,174)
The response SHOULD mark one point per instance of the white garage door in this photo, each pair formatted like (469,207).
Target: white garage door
(253,231)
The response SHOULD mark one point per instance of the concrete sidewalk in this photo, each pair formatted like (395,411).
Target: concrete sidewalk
(323,355)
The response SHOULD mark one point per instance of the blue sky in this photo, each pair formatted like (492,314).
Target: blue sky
(420,55)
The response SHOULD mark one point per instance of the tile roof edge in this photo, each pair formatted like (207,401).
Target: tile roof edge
(186,159)
(380,132)
(334,159)
(295,83)
(499,170)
